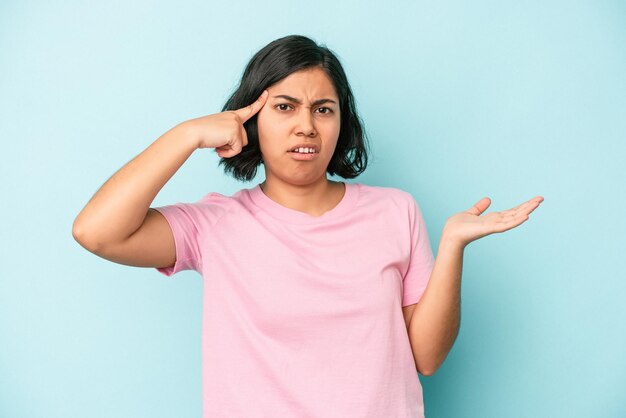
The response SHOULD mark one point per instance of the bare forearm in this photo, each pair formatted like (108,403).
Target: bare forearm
(434,325)
(120,206)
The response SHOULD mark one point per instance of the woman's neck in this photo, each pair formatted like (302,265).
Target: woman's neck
(314,199)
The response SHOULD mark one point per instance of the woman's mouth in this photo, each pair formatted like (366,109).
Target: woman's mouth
(303,156)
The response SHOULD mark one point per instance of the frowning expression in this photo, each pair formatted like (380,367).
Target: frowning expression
(301,109)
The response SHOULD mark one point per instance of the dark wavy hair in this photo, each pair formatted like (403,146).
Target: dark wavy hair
(271,64)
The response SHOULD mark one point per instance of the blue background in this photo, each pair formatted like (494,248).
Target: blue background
(460,99)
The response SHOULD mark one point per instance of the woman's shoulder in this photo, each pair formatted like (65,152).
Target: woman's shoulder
(224,200)
(216,198)
(385,192)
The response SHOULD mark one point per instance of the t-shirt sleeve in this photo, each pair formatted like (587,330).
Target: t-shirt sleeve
(188,222)
(422,259)
(185,230)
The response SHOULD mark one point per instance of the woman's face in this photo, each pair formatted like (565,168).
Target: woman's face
(308,113)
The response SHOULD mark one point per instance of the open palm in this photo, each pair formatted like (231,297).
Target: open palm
(465,227)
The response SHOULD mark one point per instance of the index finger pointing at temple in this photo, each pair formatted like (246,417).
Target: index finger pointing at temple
(247,112)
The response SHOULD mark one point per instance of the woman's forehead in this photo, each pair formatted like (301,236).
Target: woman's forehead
(308,84)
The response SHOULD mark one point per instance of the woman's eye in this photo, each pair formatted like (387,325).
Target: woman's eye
(280,107)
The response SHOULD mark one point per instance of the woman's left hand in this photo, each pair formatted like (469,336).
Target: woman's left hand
(468,226)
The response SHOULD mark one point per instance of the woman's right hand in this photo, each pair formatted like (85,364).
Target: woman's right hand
(224,131)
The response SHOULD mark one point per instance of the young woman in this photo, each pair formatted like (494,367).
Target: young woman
(311,286)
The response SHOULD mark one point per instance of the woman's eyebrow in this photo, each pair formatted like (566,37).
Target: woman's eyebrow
(298,101)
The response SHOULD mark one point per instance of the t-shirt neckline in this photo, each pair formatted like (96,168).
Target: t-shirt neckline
(284,213)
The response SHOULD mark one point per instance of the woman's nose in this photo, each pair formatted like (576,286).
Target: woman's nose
(305,123)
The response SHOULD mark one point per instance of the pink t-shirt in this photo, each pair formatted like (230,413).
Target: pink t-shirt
(302,315)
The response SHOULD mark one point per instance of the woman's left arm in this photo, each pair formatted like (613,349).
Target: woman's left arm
(435,321)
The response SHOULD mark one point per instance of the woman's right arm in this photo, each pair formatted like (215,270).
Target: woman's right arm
(122,205)
(118,224)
